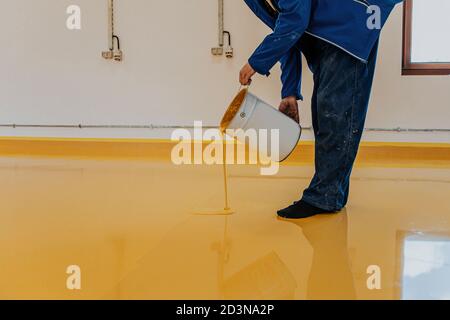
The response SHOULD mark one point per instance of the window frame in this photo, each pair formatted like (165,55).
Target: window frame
(408,67)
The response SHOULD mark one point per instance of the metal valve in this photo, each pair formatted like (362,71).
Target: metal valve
(114,52)
(118,55)
(217,51)
(108,55)
(229,53)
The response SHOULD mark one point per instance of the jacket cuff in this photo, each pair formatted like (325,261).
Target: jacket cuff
(257,68)
(291,91)
(298,96)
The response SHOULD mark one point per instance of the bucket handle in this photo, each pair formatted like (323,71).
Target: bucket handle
(244,86)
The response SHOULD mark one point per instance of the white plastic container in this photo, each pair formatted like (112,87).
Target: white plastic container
(249,112)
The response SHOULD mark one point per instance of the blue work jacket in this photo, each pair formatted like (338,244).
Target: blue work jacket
(348,24)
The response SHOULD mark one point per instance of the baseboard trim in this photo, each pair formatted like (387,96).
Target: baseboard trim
(371,153)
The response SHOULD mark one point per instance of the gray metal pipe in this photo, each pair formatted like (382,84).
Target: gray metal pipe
(111,24)
(221,23)
(156,127)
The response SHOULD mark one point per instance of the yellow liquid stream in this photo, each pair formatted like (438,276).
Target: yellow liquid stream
(226,120)
(225,174)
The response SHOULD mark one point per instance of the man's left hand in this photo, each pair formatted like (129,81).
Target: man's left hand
(289,106)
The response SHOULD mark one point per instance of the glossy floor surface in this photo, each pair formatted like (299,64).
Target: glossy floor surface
(129,226)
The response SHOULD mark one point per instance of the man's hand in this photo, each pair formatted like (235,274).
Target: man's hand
(289,106)
(246,74)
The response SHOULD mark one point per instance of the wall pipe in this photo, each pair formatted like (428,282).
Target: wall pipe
(221,23)
(155,127)
(111,24)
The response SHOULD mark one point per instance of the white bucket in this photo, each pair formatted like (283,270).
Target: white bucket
(249,112)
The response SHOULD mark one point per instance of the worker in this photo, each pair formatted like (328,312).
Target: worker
(339,39)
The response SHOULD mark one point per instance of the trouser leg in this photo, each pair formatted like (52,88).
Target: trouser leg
(339,107)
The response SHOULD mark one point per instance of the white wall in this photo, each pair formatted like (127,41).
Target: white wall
(50,75)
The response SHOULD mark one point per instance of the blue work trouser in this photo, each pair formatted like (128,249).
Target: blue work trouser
(342,88)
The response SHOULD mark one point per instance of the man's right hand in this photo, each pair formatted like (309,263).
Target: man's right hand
(289,106)
(246,74)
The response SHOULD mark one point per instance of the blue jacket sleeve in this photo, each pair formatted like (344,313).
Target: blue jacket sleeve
(290,25)
(291,74)
(291,62)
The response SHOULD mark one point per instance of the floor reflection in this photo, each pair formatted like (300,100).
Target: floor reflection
(266,278)
(425,260)
(128,226)
(330,276)
(193,260)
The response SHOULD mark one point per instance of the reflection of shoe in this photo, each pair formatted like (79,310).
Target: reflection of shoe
(301,210)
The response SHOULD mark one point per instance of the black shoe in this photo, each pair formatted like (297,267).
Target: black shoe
(301,210)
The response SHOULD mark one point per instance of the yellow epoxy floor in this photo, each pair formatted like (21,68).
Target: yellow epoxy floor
(128,225)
